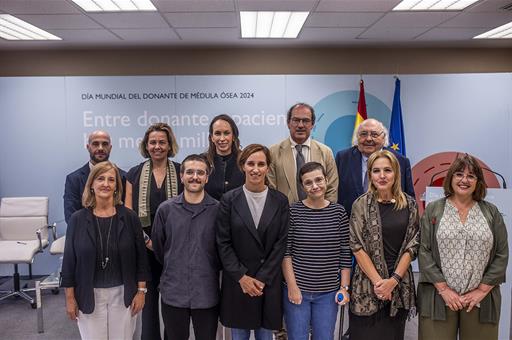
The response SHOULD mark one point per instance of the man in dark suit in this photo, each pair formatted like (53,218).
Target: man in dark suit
(99,147)
(372,136)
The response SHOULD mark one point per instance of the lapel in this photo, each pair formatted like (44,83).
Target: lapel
(357,177)
(121,222)
(90,225)
(315,154)
(269,210)
(242,208)
(288,162)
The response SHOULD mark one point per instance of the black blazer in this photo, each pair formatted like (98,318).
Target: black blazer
(80,256)
(350,184)
(243,249)
(74,188)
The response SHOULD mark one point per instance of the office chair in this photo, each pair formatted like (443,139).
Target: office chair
(23,234)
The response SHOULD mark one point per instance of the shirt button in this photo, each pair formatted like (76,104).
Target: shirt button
(226,183)
(262,261)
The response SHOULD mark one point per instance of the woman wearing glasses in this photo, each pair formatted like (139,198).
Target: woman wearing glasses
(384,237)
(317,253)
(462,259)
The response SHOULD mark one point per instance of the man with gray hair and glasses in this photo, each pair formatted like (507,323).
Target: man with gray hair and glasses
(372,136)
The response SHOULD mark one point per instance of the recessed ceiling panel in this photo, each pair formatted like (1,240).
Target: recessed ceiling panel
(478,20)
(60,21)
(38,7)
(338,19)
(199,20)
(356,5)
(130,20)
(272,5)
(194,5)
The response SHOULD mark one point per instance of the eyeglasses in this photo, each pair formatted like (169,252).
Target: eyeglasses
(459,176)
(198,172)
(372,134)
(296,121)
(309,183)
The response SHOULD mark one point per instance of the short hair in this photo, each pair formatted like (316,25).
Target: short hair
(235,147)
(171,138)
(97,132)
(396,188)
(310,167)
(386,132)
(249,150)
(88,197)
(290,111)
(197,158)
(459,164)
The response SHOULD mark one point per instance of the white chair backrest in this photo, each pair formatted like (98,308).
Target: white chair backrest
(20,217)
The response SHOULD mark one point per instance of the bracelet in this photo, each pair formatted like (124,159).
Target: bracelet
(345,288)
(397,277)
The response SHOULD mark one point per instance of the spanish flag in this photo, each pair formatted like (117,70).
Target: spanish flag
(361,112)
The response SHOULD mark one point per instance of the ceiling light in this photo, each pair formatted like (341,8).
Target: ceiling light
(433,5)
(115,5)
(502,32)
(12,28)
(265,24)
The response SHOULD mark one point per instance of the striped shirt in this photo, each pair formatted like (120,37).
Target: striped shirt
(318,243)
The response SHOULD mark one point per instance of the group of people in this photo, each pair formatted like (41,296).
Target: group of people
(251,236)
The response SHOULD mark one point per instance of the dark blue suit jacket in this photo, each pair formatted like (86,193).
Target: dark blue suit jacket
(75,184)
(350,184)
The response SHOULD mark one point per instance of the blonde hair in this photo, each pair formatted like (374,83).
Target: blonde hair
(88,197)
(396,188)
(171,139)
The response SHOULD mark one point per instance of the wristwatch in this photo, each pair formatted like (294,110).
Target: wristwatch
(143,290)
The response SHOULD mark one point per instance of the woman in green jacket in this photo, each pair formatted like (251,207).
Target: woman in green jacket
(462,259)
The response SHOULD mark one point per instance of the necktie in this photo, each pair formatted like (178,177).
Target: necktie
(299,161)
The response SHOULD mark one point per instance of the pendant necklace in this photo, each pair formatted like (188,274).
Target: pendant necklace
(104,259)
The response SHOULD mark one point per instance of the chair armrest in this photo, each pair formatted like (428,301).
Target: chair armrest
(53,227)
(39,237)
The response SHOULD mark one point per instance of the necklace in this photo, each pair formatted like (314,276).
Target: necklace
(380,200)
(104,259)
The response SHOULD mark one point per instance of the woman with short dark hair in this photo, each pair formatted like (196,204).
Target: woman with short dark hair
(462,259)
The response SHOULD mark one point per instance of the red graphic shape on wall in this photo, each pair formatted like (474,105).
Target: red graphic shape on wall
(432,170)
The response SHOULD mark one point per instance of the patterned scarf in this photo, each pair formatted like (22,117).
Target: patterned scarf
(171,189)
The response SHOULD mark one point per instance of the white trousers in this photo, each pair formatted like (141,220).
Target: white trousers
(110,320)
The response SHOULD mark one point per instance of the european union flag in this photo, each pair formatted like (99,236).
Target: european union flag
(396,128)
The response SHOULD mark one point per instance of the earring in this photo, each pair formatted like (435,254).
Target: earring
(92,190)
(115,192)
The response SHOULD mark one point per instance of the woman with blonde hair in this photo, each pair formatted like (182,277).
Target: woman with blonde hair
(384,237)
(105,266)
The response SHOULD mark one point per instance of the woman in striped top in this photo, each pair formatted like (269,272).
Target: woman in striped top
(317,252)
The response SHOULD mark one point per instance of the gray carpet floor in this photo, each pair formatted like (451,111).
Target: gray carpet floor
(18,321)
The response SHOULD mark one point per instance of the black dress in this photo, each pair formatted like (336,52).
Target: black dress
(381,325)
(225,176)
(150,313)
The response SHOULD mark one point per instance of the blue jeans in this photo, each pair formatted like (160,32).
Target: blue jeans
(244,334)
(317,312)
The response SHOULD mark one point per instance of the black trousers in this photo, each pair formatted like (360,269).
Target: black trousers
(150,313)
(177,322)
(379,325)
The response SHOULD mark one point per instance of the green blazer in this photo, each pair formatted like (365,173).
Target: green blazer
(430,303)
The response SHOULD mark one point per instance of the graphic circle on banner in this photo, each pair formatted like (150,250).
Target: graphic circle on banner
(335,116)
(433,169)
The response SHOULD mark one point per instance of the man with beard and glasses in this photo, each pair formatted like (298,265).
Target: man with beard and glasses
(183,239)
(289,155)
(352,171)
(99,147)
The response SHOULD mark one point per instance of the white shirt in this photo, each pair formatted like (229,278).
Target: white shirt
(256,202)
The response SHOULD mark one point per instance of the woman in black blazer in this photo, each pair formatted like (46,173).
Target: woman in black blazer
(105,265)
(252,225)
